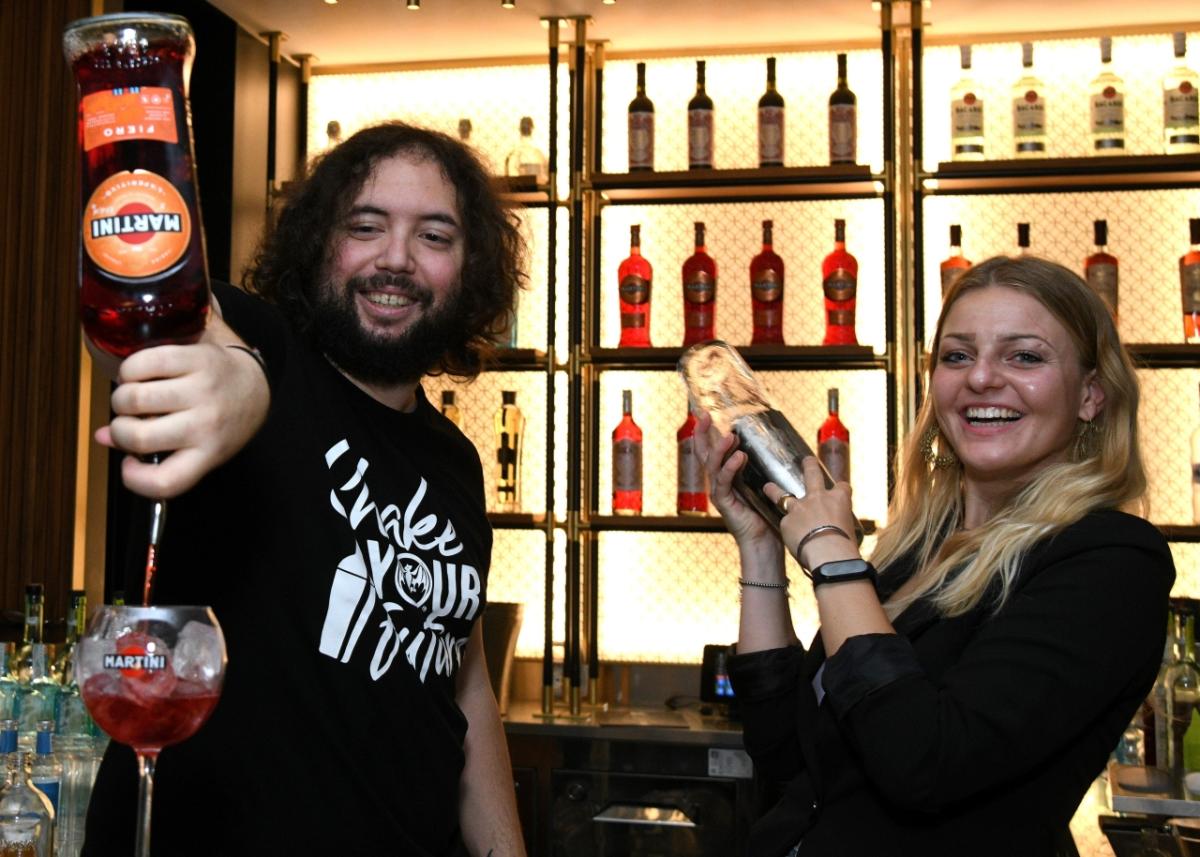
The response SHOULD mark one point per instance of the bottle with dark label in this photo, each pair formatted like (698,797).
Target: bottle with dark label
(700,125)
(833,442)
(766,292)
(1181,104)
(840,273)
(843,120)
(1023,244)
(1029,110)
(1189,284)
(1106,103)
(450,409)
(699,293)
(691,497)
(954,264)
(641,126)
(144,280)
(966,114)
(635,275)
(1100,268)
(627,461)
(770,122)
(510,427)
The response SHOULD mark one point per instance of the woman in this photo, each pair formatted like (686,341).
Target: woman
(963,702)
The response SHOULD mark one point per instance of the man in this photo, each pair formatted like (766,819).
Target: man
(344,544)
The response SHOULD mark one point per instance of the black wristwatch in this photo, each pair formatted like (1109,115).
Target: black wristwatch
(842,571)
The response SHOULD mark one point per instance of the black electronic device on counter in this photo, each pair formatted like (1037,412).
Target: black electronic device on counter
(715,687)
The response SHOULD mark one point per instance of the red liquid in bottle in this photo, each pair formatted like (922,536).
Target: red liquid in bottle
(699,294)
(636,276)
(766,292)
(691,497)
(144,280)
(840,270)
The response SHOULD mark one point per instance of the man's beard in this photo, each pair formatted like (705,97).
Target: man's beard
(384,358)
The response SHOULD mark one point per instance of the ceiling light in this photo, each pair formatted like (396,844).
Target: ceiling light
(331,2)
(610,2)
(508,4)
(414,5)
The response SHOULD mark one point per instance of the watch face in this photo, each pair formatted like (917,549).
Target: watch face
(847,569)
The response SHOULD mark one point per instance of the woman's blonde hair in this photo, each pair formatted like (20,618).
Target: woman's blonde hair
(959,568)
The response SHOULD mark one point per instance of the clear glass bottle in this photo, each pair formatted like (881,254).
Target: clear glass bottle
(833,442)
(450,410)
(8,744)
(527,159)
(1189,284)
(627,461)
(966,114)
(1154,707)
(700,125)
(1183,689)
(510,428)
(1029,110)
(770,122)
(26,817)
(39,698)
(843,119)
(641,126)
(1106,103)
(1181,104)
(33,631)
(1101,268)
(10,687)
(45,772)
(61,670)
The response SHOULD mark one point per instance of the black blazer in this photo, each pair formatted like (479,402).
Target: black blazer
(977,734)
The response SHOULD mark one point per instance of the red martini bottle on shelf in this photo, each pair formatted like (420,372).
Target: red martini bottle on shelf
(1100,268)
(833,442)
(627,461)
(636,276)
(691,497)
(1189,284)
(699,294)
(840,273)
(954,264)
(766,292)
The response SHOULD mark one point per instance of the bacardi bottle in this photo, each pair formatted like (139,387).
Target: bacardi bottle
(510,428)
(1181,104)
(1106,97)
(843,120)
(450,409)
(954,264)
(1023,239)
(1029,110)
(635,275)
(840,272)
(833,442)
(699,294)
(691,497)
(1189,284)
(627,461)
(527,159)
(966,114)
(770,122)
(641,126)
(700,125)
(1100,268)
(766,292)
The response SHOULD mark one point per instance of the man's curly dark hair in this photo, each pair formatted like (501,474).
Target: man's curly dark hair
(291,260)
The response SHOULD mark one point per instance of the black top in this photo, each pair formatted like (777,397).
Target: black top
(345,552)
(977,734)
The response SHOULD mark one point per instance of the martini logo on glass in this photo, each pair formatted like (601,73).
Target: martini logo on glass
(136,227)
(136,659)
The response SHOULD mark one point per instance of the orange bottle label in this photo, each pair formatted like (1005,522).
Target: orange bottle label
(133,113)
(136,226)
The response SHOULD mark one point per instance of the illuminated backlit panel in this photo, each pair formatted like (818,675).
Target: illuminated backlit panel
(735,83)
(1147,232)
(671,594)
(533,301)
(660,407)
(803,236)
(518,574)
(1187,569)
(1066,67)
(1168,414)
(479,401)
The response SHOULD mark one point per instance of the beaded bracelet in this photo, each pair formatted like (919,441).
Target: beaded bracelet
(760,585)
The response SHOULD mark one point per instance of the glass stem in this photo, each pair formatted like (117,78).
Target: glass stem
(145,798)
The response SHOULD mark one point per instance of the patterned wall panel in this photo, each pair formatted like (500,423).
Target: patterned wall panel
(518,574)
(534,301)
(1166,420)
(1147,232)
(803,235)
(735,83)
(660,407)
(1066,67)
(1187,569)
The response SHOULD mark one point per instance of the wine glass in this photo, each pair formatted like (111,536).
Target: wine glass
(150,677)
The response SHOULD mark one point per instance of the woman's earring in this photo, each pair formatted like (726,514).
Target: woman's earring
(940,460)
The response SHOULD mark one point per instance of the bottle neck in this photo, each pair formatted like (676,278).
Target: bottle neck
(1187,645)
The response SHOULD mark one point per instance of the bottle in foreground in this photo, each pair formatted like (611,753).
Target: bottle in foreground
(1029,110)
(635,278)
(700,125)
(833,442)
(1189,284)
(954,264)
(691,496)
(770,122)
(699,293)
(1181,104)
(843,119)
(966,114)
(1100,269)
(26,816)
(840,273)
(510,428)
(1106,103)
(627,461)
(46,771)
(766,291)
(641,126)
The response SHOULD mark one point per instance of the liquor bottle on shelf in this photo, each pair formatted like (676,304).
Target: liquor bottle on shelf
(46,770)
(1181,104)
(38,699)
(700,125)
(527,159)
(1196,476)
(63,670)
(510,428)
(450,409)
(1029,110)
(464,130)
(954,264)
(833,442)
(1100,268)
(641,126)
(1183,689)
(32,633)
(1106,101)
(840,273)
(766,292)
(627,461)
(1154,708)
(691,497)
(966,114)
(10,687)
(770,122)
(635,277)
(1189,284)
(1023,239)
(843,120)
(699,294)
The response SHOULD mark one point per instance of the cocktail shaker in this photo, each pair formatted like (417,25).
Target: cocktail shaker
(720,383)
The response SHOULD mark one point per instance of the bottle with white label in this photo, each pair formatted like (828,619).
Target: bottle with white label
(843,120)
(770,122)
(641,126)
(1106,103)
(700,125)
(527,159)
(1100,268)
(966,114)
(1181,104)
(1029,110)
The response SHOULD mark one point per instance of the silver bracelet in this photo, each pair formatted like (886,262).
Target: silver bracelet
(816,531)
(759,585)
(256,354)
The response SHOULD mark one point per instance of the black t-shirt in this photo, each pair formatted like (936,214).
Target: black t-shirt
(345,552)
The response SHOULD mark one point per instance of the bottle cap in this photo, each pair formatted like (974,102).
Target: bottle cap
(627,401)
(1027,54)
(839,230)
(508,397)
(526,126)
(34,590)
(955,235)
(1100,232)
(447,397)
(1194,227)
(964,56)
(1106,49)
(1180,40)
(1022,234)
